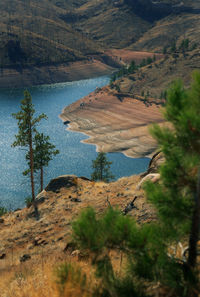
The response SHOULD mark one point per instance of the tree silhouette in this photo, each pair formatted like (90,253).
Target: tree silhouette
(43,152)
(27,124)
(101,168)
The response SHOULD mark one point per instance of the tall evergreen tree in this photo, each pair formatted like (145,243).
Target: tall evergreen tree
(149,247)
(43,152)
(27,124)
(177,197)
(101,168)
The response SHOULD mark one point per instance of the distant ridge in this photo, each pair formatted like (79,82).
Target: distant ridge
(40,33)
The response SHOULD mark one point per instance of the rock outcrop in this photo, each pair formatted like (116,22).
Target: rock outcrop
(64,181)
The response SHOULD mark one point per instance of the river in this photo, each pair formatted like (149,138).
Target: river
(74,158)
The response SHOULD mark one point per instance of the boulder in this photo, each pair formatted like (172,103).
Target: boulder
(75,200)
(2,256)
(24,258)
(39,241)
(41,197)
(64,181)
(153,177)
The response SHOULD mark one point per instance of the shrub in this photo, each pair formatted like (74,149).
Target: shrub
(177,201)
(71,281)
(3,211)
(28,202)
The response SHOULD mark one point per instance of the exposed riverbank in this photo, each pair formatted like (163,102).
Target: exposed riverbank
(113,123)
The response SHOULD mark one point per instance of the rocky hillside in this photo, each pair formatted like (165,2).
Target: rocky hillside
(29,246)
(50,31)
(154,79)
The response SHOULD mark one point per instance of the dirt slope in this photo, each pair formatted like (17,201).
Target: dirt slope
(115,122)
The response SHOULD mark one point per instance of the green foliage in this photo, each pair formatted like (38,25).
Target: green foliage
(68,273)
(39,150)
(145,247)
(117,87)
(184,46)
(149,60)
(143,63)
(26,121)
(132,67)
(98,236)
(87,232)
(112,79)
(177,201)
(176,197)
(123,71)
(27,124)
(101,168)
(94,234)
(28,201)
(3,211)
(129,70)
(43,152)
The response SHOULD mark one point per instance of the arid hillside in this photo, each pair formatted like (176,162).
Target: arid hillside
(154,79)
(45,32)
(31,249)
(115,121)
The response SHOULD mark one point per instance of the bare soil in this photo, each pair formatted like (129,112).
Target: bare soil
(114,122)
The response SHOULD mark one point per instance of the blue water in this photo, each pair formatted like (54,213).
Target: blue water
(74,158)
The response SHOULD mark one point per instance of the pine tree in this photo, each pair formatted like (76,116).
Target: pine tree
(132,67)
(148,247)
(101,168)
(43,152)
(26,130)
(177,197)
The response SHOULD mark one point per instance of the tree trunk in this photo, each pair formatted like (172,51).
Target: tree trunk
(194,234)
(193,240)
(32,173)
(41,178)
(101,171)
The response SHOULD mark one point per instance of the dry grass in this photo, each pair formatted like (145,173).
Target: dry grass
(39,279)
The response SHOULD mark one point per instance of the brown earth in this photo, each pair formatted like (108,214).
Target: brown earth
(96,65)
(115,122)
(31,250)
(20,230)
(10,77)
(157,77)
(127,56)
(45,240)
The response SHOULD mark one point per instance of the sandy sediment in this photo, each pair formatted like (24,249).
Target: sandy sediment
(114,123)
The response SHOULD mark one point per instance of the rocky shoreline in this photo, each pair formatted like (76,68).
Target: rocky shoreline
(115,124)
